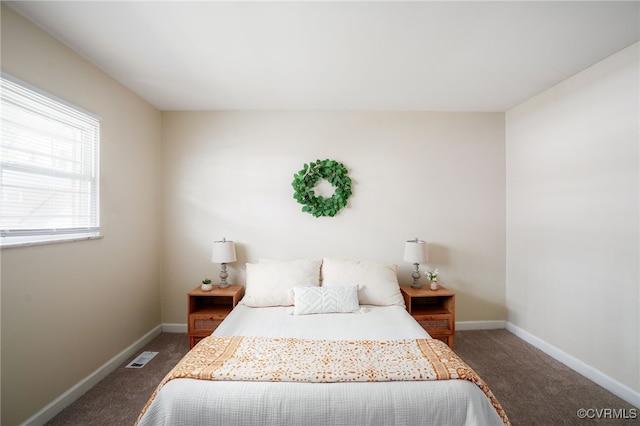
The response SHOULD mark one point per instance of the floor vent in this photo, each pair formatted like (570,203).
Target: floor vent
(142,359)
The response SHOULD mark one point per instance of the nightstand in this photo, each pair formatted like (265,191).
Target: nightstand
(207,309)
(435,310)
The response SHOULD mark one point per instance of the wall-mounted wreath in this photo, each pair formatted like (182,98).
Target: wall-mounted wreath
(306,179)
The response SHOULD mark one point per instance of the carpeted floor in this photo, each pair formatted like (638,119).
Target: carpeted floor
(533,388)
(119,397)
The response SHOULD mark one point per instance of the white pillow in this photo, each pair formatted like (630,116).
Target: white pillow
(271,284)
(325,300)
(377,281)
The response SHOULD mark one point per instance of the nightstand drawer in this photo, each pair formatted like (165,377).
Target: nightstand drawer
(439,323)
(204,323)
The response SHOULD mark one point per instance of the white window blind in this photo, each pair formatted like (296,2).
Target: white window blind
(49,167)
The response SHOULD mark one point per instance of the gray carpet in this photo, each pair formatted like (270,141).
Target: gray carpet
(533,388)
(119,397)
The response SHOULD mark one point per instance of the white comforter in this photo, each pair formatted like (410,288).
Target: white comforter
(200,402)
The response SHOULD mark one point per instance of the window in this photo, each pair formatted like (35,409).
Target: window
(49,168)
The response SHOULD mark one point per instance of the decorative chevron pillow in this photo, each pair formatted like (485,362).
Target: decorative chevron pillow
(325,300)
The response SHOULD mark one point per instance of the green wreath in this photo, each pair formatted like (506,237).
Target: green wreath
(306,179)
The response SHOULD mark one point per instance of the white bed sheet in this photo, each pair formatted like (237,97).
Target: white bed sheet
(371,322)
(200,402)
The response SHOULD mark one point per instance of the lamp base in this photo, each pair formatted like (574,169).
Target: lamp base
(416,276)
(223,276)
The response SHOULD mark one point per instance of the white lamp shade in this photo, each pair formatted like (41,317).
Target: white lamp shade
(415,251)
(223,252)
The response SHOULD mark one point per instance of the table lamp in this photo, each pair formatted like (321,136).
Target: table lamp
(223,252)
(415,251)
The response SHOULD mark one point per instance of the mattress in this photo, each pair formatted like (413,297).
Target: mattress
(206,402)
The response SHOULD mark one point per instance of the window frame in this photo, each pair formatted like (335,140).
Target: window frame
(87,125)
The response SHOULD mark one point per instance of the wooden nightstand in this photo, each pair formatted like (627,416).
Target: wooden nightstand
(435,310)
(207,309)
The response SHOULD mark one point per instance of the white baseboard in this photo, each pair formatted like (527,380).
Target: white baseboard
(80,388)
(621,390)
(174,328)
(480,325)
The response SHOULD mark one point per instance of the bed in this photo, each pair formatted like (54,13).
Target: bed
(345,352)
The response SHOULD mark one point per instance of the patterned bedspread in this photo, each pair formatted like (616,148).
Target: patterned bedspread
(239,358)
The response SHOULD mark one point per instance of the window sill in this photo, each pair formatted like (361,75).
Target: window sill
(16,244)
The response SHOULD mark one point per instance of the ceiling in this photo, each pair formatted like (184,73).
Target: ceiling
(420,55)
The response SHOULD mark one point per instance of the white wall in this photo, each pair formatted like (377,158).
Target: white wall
(573,244)
(438,176)
(68,308)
